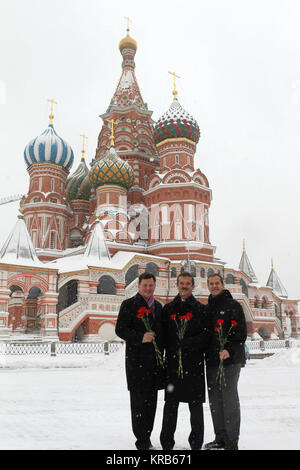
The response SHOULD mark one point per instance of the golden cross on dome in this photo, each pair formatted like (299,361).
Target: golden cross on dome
(84,137)
(51,116)
(175,92)
(128,24)
(112,139)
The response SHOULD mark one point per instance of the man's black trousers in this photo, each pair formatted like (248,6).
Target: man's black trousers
(170,422)
(224,403)
(143,408)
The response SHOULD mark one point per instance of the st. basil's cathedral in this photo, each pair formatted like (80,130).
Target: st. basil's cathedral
(82,238)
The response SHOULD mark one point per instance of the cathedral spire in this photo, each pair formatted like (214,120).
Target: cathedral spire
(175,92)
(18,248)
(245,265)
(84,137)
(51,115)
(275,283)
(112,137)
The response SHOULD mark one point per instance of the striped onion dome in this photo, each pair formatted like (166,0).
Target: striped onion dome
(49,148)
(112,170)
(176,123)
(78,185)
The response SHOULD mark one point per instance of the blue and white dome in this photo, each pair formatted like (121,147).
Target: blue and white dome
(49,148)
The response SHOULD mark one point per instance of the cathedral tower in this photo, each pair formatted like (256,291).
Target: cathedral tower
(112,177)
(134,140)
(178,196)
(78,190)
(46,213)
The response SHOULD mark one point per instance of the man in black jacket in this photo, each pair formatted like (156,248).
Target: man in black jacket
(185,381)
(145,375)
(228,319)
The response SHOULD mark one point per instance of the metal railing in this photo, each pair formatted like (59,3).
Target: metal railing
(108,347)
(59,348)
(274,345)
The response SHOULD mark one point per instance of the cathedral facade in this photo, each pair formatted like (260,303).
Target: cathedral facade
(83,237)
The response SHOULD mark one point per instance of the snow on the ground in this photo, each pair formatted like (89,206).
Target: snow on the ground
(82,402)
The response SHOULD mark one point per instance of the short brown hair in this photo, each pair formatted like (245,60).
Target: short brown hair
(146,275)
(215,275)
(185,274)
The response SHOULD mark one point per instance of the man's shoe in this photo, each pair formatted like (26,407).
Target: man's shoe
(231,445)
(214,445)
(195,446)
(145,446)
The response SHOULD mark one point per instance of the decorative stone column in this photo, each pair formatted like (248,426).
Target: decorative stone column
(49,316)
(4,299)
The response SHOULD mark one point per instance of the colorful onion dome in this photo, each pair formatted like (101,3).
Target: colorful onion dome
(78,184)
(49,148)
(112,170)
(128,42)
(176,123)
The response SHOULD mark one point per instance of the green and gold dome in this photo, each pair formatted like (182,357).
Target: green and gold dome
(112,170)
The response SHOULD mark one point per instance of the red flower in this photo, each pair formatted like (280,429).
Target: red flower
(187,316)
(183,317)
(217,328)
(140,315)
(144,311)
(220,321)
(173,316)
(233,322)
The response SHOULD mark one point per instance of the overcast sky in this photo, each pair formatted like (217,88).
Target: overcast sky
(239,63)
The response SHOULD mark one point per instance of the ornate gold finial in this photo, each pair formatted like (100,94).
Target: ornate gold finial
(51,116)
(175,92)
(112,138)
(272,264)
(84,137)
(244,246)
(128,25)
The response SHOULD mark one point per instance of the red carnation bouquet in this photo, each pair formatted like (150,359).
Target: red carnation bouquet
(222,337)
(181,328)
(143,313)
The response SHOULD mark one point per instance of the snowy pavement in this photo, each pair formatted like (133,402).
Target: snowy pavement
(83,403)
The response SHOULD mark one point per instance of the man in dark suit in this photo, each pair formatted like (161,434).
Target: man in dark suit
(186,383)
(143,363)
(224,402)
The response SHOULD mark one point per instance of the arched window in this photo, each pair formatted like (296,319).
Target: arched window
(152,268)
(15,289)
(264,303)
(264,332)
(202,272)
(190,267)
(210,271)
(229,279)
(244,287)
(34,293)
(106,285)
(193,270)
(67,295)
(132,274)
(173,272)
(256,302)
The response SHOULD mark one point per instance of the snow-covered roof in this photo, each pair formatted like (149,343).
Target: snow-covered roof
(96,254)
(275,283)
(18,248)
(245,267)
